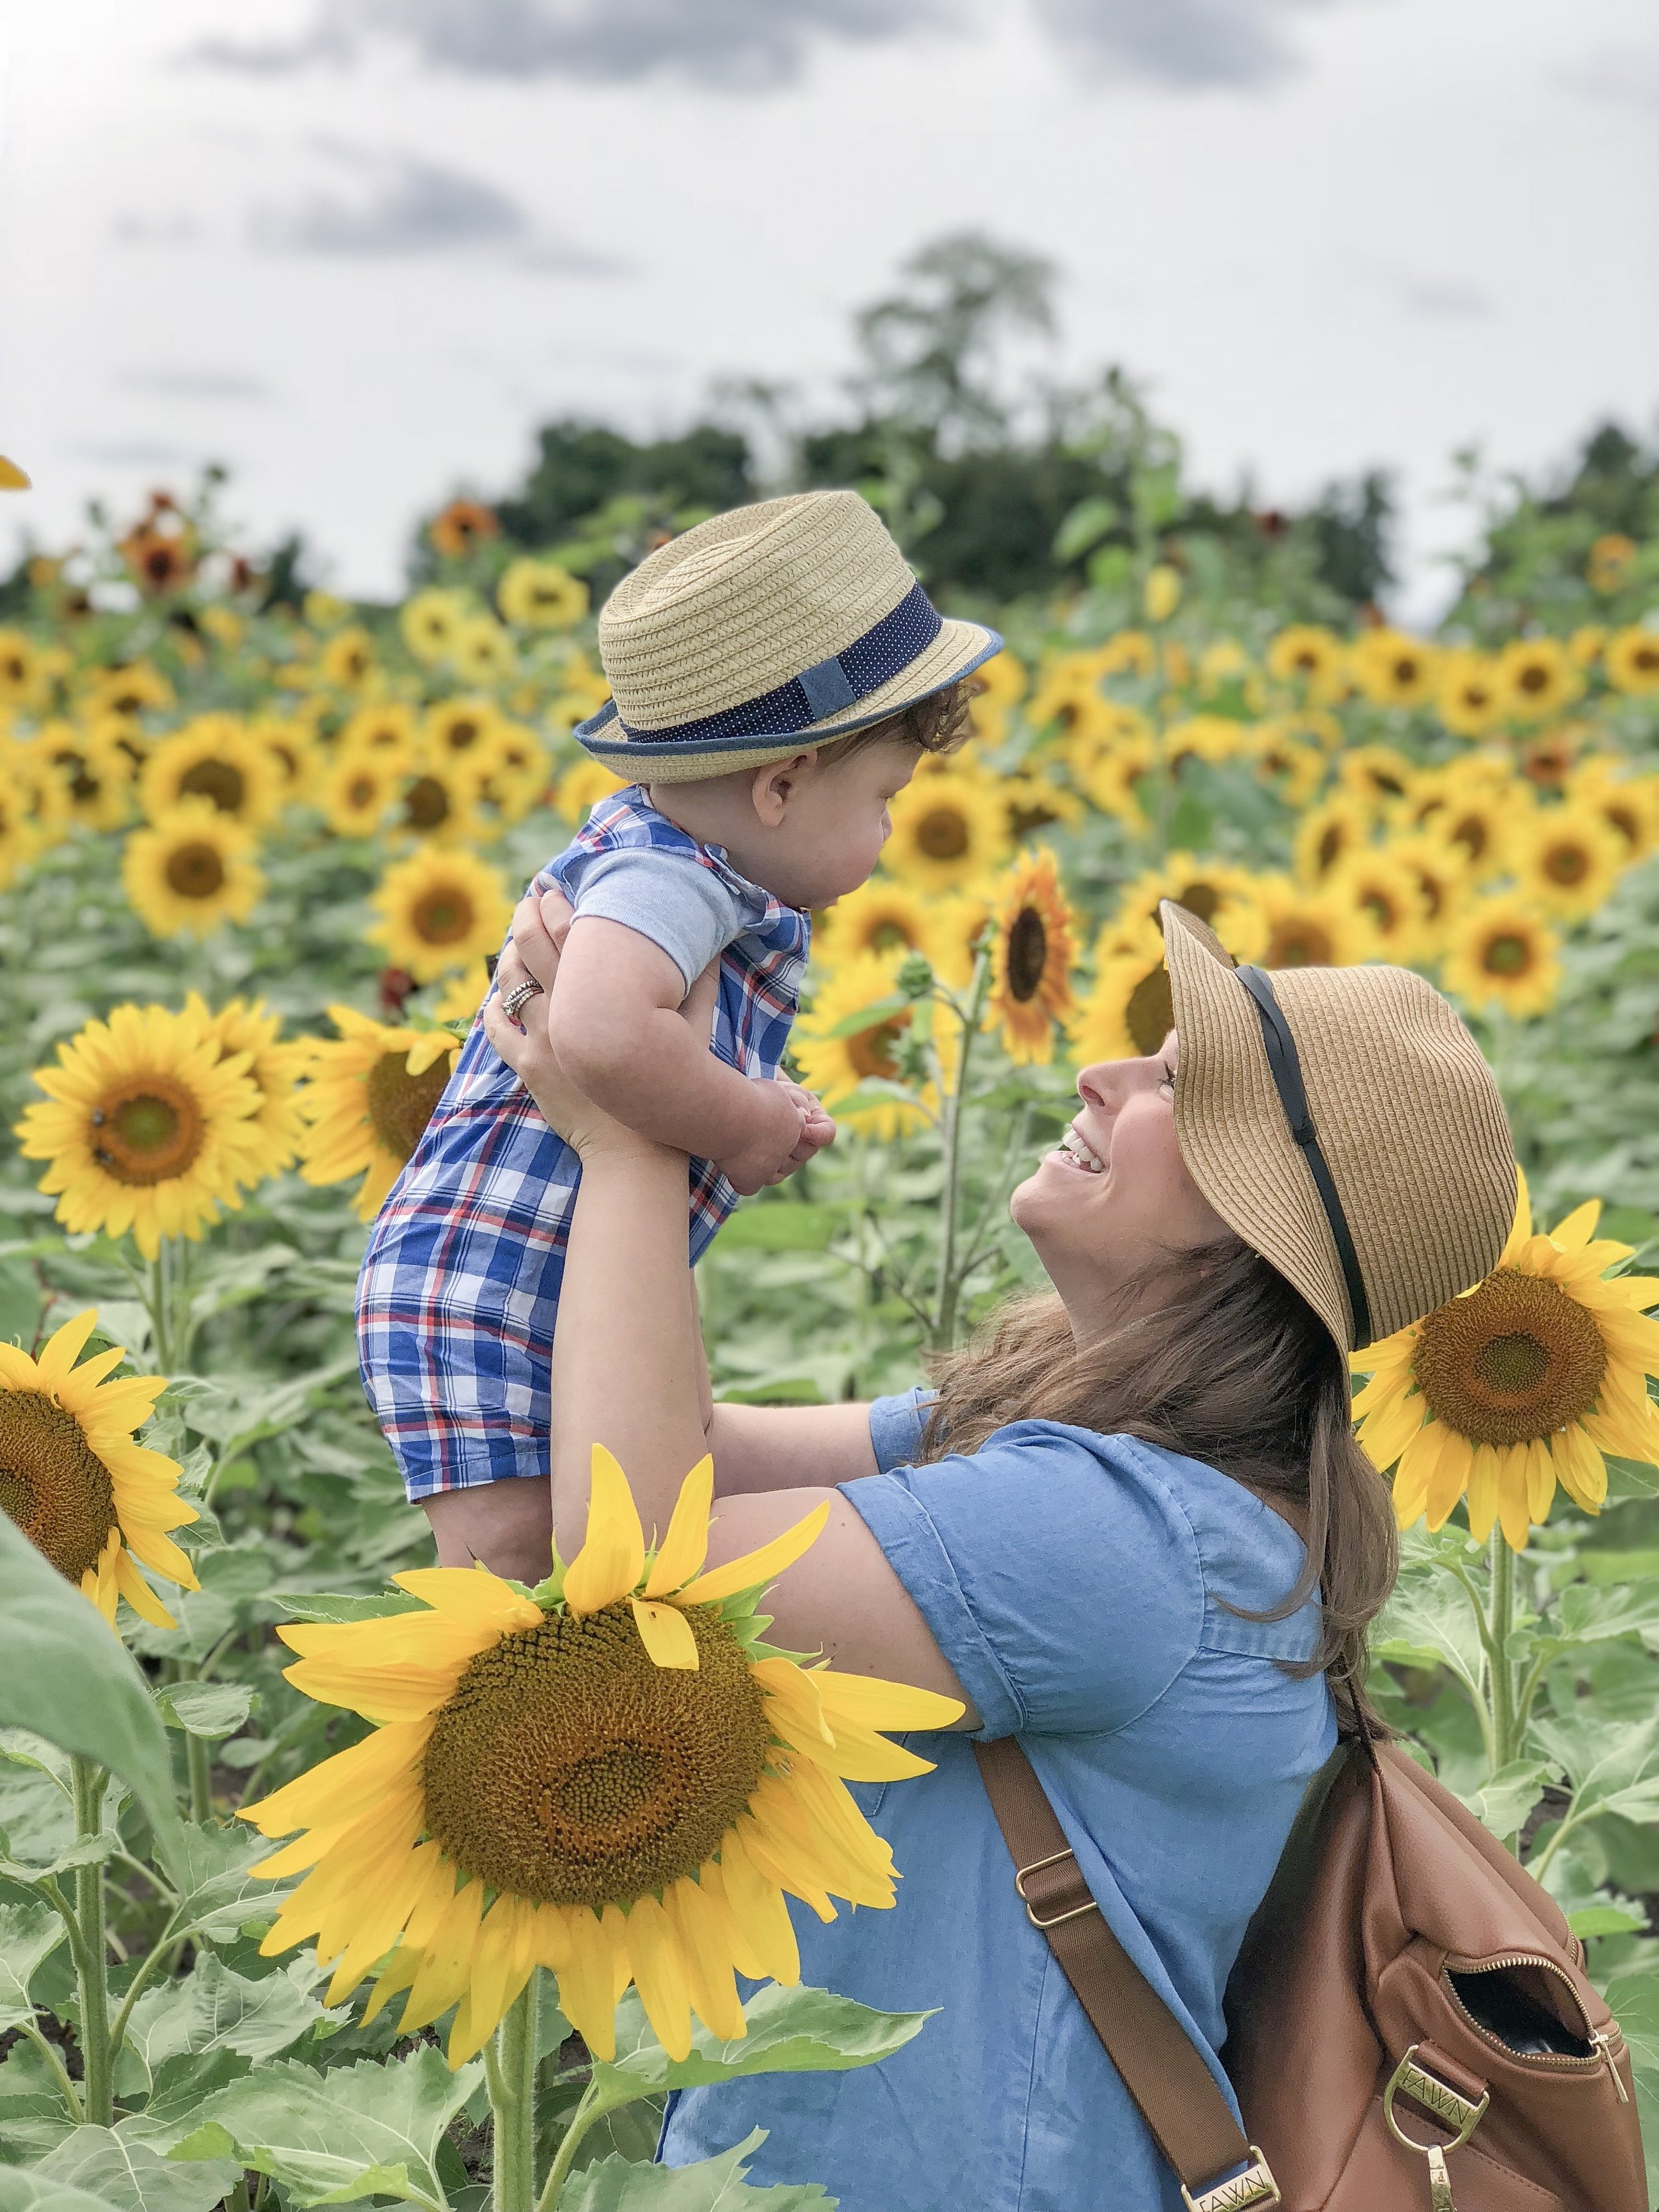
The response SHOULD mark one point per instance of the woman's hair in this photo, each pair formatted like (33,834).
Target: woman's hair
(1226,1362)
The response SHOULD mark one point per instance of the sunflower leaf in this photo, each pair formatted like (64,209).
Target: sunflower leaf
(362,2130)
(212,1709)
(1429,1622)
(712,2185)
(868,1018)
(215,2008)
(790,2031)
(328,1605)
(1504,1804)
(29,1934)
(25,2188)
(129,2176)
(80,1691)
(218,1896)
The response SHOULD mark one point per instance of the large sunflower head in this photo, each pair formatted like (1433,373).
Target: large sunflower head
(1127,1012)
(1521,1383)
(947,829)
(1500,952)
(213,757)
(1033,949)
(1569,859)
(146,1127)
(838,1057)
(440,909)
(1481,814)
(191,869)
(880,916)
(1221,896)
(1387,897)
(87,1496)
(370,1096)
(612,1775)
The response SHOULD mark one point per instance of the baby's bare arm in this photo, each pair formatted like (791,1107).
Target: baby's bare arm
(613,1018)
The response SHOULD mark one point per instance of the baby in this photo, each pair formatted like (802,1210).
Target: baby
(777,674)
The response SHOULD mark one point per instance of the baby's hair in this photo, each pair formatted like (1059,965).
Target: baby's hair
(939,724)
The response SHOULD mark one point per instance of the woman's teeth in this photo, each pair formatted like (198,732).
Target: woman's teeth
(1078,1148)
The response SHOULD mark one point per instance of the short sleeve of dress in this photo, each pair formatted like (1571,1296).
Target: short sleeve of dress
(1058,1571)
(681,906)
(896,1423)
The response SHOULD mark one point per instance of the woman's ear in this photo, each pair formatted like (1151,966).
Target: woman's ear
(776,784)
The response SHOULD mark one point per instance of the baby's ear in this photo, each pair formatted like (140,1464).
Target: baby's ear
(777,783)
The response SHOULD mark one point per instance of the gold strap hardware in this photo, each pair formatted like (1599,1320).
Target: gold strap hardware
(1077,1910)
(1449,2106)
(1440,2196)
(1602,2038)
(1255,2185)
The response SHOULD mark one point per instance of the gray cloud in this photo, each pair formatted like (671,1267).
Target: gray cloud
(1443,296)
(754,43)
(394,203)
(194,384)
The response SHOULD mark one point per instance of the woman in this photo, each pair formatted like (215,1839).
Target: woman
(1134,1529)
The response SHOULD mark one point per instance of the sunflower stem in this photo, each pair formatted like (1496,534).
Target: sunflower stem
(1501,1685)
(511,2067)
(92,1955)
(949,1280)
(198,1766)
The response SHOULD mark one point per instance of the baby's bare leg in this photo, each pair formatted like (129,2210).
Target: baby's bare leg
(509,1525)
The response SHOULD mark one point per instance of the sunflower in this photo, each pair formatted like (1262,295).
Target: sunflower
(581,788)
(1538,677)
(460,730)
(387,730)
(612,1775)
(275,1069)
(1386,894)
(835,1061)
(998,685)
(1570,860)
(93,767)
(1379,777)
(1328,834)
(428,623)
(1033,801)
(1547,758)
(1128,1011)
(1394,670)
(1068,694)
(1160,595)
(517,771)
(20,839)
(462,994)
(540,595)
(439,801)
(1285,763)
(483,651)
(1585,645)
(1500,952)
(1032,954)
(1630,658)
(1481,815)
(24,678)
(439,910)
(214,758)
(347,661)
(129,691)
(294,749)
(1213,738)
(192,869)
(357,791)
(1440,873)
(1610,559)
(461,526)
(1470,697)
(1312,658)
(1629,804)
(947,829)
(145,1126)
(880,917)
(963,919)
(1221,896)
(87,1497)
(370,1096)
(1308,927)
(1521,1383)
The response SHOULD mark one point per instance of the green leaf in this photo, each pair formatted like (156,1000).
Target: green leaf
(1612,1766)
(1633,1996)
(1429,1622)
(363,2130)
(80,1690)
(131,2177)
(868,1018)
(218,1896)
(798,2031)
(205,1709)
(1504,1804)
(1605,1920)
(24,2189)
(182,2087)
(713,2185)
(326,1605)
(1084,526)
(29,1934)
(780,1228)
(215,2008)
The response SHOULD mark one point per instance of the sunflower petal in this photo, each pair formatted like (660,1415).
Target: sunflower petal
(758,1567)
(470,1597)
(1540,1481)
(1513,1514)
(139,1594)
(686,1545)
(700,1926)
(587,1994)
(873,1704)
(612,1559)
(1521,1229)
(351,1782)
(1482,1491)
(63,1347)
(666,1635)
(756,1903)
(1578,1227)
(653,1952)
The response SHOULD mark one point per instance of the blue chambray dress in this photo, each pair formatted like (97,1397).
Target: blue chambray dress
(1076,1583)
(460,1287)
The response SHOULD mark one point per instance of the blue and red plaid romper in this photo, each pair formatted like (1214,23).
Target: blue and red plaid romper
(460,1287)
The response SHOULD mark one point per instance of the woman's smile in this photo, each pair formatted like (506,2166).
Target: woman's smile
(1075,1150)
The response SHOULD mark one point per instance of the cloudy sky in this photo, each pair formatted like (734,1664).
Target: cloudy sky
(357,249)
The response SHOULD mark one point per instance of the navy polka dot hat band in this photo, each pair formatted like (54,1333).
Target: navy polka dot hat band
(782,624)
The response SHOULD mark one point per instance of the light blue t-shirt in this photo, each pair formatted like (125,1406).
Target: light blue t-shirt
(1075,1583)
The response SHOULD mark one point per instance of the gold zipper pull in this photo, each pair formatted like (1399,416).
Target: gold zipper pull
(1602,2038)
(1440,2196)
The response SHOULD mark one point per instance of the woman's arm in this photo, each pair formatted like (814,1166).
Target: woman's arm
(627,1371)
(759,1447)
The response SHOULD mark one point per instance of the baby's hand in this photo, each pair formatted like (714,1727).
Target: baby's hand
(781,1141)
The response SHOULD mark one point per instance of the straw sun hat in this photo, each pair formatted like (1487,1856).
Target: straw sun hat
(761,631)
(1343,1122)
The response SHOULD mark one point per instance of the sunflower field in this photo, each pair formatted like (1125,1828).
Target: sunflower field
(275,1927)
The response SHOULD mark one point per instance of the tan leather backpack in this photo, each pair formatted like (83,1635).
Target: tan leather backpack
(1410,2026)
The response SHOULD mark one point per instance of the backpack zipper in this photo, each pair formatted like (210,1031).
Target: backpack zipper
(1606,2040)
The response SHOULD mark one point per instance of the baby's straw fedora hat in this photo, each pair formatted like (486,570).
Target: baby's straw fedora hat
(765,631)
(1343,1121)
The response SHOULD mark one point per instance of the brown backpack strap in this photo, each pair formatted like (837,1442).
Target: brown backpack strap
(1191,2121)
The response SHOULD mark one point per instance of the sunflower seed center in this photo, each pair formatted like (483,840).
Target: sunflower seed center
(400,1104)
(942,834)
(194,871)
(222,781)
(1516,1359)
(1027,954)
(150,1132)
(52,1483)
